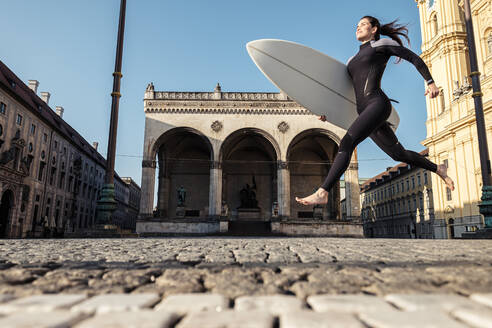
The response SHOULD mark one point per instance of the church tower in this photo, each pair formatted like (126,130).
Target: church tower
(451,127)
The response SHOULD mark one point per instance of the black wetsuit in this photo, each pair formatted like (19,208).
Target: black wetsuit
(366,70)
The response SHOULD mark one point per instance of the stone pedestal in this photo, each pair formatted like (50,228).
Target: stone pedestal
(180,211)
(248,214)
(318,212)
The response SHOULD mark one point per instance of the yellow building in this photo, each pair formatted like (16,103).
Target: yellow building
(451,127)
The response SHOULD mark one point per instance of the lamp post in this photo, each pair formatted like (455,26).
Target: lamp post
(106,204)
(486,204)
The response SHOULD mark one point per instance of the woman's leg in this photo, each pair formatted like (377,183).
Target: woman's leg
(375,113)
(386,139)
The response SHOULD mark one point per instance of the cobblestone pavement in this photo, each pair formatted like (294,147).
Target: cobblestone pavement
(246,282)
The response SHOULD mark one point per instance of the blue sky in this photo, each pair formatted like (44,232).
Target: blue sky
(188,45)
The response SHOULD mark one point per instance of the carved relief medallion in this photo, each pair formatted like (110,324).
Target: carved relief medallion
(283,126)
(216,126)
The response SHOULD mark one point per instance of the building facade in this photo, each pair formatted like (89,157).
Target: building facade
(127,196)
(451,126)
(50,176)
(234,157)
(398,203)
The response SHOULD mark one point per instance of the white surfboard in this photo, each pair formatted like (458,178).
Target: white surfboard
(314,80)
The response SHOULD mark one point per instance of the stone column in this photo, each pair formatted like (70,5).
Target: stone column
(215,193)
(283,190)
(147,191)
(352,189)
(163,190)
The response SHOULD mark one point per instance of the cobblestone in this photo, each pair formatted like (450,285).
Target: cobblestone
(228,319)
(116,303)
(342,278)
(309,319)
(475,317)
(348,303)
(41,303)
(415,319)
(444,302)
(187,303)
(41,319)
(273,304)
(141,319)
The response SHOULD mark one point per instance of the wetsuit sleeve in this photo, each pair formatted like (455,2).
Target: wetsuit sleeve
(410,56)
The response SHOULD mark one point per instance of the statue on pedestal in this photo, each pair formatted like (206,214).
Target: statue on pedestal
(181,196)
(248,196)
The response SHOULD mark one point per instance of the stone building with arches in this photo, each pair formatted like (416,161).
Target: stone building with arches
(234,162)
(451,124)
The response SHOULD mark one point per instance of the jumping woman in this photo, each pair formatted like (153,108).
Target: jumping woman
(366,70)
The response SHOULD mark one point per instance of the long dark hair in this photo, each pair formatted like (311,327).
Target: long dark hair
(392,29)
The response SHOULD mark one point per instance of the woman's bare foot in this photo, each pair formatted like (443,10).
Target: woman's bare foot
(319,197)
(442,172)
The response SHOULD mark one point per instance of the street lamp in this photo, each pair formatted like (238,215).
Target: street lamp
(486,204)
(106,204)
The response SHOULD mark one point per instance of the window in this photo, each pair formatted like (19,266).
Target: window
(408,185)
(397,188)
(43,154)
(442,100)
(3,108)
(41,170)
(70,182)
(489,43)
(45,137)
(33,129)
(425,177)
(61,181)
(449,196)
(413,182)
(402,187)
(435,25)
(418,180)
(445,162)
(19,119)
(53,175)
(56,144)
(30,147)
(1,130)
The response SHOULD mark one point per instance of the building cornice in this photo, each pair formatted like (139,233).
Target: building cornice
(175,95)
(452,41)
(222,103)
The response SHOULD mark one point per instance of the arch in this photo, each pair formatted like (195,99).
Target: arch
(309,132)
(232,139)
(6,208)
(175,132)
(309,155)
(249,159)
(184,157)
(451,228)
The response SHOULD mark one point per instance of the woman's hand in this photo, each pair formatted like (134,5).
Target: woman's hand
(322,118)
(432,90)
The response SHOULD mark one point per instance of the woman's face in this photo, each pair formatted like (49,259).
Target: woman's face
(365,31)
